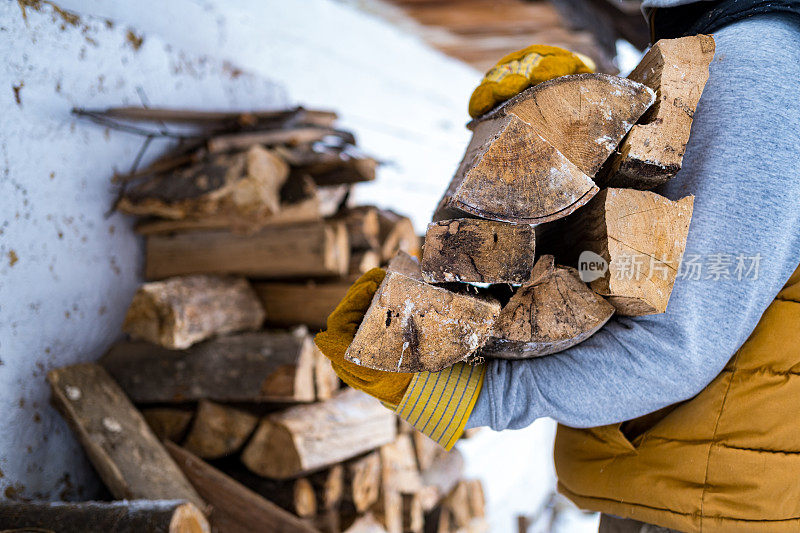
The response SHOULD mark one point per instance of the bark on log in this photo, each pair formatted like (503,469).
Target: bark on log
(555,311)
(136,516)
(123,449)
(677,69)
(218,430)
(413,326)
(250,367)
(236,509)
(478,251)
(168,423)
(532,159)
(178,312)
(243,187)
(397,234)
(310,303)
(363,481)
(641,236)
(306,438)
(303,250)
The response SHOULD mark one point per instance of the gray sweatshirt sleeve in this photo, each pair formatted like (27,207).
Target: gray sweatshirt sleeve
(743,166)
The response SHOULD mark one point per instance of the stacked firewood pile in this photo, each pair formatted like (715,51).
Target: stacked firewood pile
(209,415)
(551,216)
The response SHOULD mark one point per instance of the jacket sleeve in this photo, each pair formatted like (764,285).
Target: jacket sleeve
(743,167)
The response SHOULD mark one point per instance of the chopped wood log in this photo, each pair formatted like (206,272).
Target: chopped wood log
(362,261)
(236,509)
(315,249)
(168,423)
(408,265)
(332,198)
(426,450)
(244,187)
(413,326)
(388,510)
(328,485)
(310,303)
(326,382)
(411,510)
(288,136)
(123,449)
(366,523)
(137,516)
(476,498)
(441,477)
(641,236)
(532,159)
(363,481)
(363,227)
(306,438)
(218,430)
(178,312)
(250,367)
(677,70)
(438,520)
(478,251)
(396,235)
(331,165)
(555,311)
(399,470)
(457,502)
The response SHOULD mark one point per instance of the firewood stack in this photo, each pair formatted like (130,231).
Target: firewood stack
(548,227)
(219,403)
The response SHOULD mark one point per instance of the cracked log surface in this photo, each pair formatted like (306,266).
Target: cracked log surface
(532,159)
(642,237)
(218,430)
(413,326)
(555,311)
(478,251)
(677,69)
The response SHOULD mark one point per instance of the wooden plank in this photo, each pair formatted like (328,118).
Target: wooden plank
(478,251)
(555,311)
(179,312)
(250,367)
(558,134)
(236,509)
(136,516)
(310,303)
(303,250)
(218,430)
(413,326)
(306,438)
(123,449)
(677,70)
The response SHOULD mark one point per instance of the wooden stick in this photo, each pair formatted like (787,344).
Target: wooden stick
(123,449)
(303,250)
(310,303)
(478,251)
(250,367)
(218,430)
(236,508)
(677,70)
(412,326)
(179,312)
(311,437)
(194,116)
(136,516)
(289,136)
(557,134)
(552,313)
(168,423)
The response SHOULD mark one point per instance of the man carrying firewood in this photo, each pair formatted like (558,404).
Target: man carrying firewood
(683,420)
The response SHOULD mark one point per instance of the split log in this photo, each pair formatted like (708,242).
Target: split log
(331,165)
(411,512)
(555,311)
(363,481)
(362,261)
(306,438)
(136,516)
(250,367)
(457,502)
(476,498)
(218,430)
(413,326)
(178,312)
(123,449)
(363,227)
(677,70)
(294,495)
(408,265)
(399,470)
(397,234)
(641,237)
(328,486)
(310,303)
(244,186)
(236,509)
(532,159)
(388,511)
(441,477)
(478,251)
(304,250)
(365,524)
(426,450)
(168,423)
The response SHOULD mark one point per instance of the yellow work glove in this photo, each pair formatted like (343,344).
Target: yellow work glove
(389,387)
(519,70)
(436,403)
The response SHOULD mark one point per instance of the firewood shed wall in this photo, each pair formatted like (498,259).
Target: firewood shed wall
(67,270)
